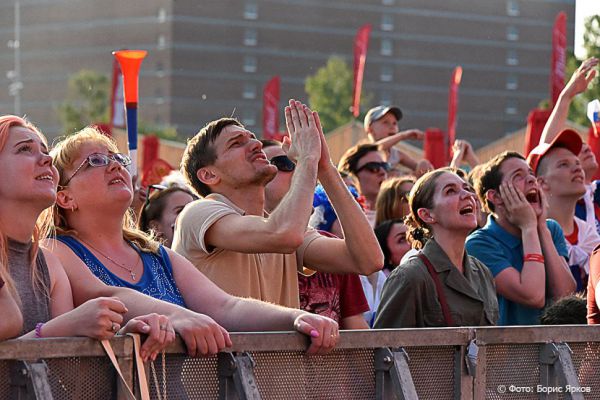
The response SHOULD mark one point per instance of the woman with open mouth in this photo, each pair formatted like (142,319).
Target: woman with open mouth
(442,285)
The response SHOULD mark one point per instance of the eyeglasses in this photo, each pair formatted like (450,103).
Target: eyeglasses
(101,160)
(374,167)
(283,163)
(151,190)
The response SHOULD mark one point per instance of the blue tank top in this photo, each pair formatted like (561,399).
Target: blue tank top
(157,280)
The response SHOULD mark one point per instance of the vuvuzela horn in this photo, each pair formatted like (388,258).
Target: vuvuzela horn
(130,62)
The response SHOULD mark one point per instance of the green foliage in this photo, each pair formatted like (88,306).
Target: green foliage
(330,93)
(591,44)
(87,101)
(162,132)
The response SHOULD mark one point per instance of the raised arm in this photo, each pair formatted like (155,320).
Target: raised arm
(359,251)
(283,231)
(387,144)
(577,84)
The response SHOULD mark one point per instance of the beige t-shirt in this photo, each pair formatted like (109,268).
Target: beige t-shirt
(269,277)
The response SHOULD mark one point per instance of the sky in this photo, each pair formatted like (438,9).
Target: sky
(583,8)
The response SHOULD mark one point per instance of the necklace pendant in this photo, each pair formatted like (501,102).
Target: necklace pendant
(132,275)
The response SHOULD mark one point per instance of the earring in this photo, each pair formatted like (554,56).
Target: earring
(73,208)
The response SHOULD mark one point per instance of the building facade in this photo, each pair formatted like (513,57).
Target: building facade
(211,58)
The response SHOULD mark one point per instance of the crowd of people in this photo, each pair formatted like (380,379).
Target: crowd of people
(264,235)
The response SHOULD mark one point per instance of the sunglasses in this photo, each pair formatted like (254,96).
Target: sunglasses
(101,160)
(151,190)
(374,167)
(283,163)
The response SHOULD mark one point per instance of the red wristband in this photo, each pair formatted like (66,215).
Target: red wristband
(533,257)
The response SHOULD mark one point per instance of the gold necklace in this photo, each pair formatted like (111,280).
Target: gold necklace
(118,264)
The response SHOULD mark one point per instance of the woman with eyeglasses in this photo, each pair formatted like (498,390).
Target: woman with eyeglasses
(33,277)
(159,212)
(95,229)
(442,285)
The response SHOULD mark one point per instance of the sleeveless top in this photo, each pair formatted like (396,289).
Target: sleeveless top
(35,305)
(157,278)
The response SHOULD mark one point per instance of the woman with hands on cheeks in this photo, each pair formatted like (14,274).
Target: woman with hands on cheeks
(96,233)
(442,285)
(34,277)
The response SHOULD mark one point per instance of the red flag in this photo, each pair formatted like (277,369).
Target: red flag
(271,108)
(453,106)
(361,43)
(150,150)
(117,104)
(434,147)
(559,57)
(594,143)
(536,120)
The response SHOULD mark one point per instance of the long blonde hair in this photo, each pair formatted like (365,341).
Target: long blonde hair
(7,122)
(64,154)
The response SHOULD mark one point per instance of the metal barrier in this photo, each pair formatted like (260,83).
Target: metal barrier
(450,363)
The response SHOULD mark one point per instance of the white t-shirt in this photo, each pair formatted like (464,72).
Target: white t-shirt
(373,294)
(587,240)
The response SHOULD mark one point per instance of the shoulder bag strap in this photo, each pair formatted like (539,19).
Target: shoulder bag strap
(438,289)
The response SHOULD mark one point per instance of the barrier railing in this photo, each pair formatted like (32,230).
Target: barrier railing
(450,363)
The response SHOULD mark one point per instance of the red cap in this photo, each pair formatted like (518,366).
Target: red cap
(568,138)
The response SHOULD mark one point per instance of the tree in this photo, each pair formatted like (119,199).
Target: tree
(330,93)
(591,44)
(87,101)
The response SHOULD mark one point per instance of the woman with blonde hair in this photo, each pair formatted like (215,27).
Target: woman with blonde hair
(35,280)
(392,200)
(95,230)
(442,285)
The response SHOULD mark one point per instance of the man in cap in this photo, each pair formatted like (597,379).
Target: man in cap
(525,252)
(588,208)
(381,126)
(561,177)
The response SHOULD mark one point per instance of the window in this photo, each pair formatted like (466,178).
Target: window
(387,73)
(512,83)
(160,70)
(162,15)
(512,58)
(250,64)
(386,47)
(161,42)
(249,118)
(511,107)
(249,91)
(387,22)
(512,33)
(386,98)
(512,8)
(250,37)
(251,10)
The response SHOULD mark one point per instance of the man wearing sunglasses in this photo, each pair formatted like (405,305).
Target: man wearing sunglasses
(339,297)
(247,252)
(364,162)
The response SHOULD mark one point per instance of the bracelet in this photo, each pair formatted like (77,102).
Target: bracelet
(533,257)
(38,330)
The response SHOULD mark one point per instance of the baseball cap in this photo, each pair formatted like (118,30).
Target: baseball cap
(377,112)
(568,138)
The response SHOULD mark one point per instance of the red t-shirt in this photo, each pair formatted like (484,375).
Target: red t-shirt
(593,312)
(332,295)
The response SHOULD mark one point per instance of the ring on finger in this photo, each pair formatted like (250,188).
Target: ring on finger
(113,327)
(163,327)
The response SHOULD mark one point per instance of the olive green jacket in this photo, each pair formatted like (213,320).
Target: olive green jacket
(409,298)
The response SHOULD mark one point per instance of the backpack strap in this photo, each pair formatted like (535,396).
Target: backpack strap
(438,288)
